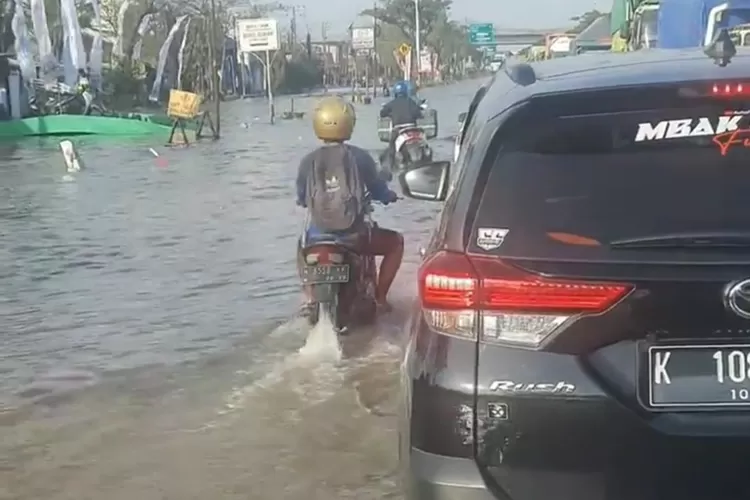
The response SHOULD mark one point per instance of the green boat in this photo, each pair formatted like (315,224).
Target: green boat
(68,125)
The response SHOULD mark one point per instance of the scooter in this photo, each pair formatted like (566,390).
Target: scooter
(411,147)
(341,281)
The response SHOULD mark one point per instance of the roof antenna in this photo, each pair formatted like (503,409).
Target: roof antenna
(722,48)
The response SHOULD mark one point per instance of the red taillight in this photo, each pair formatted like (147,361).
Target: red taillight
(323,254)
(455,281)
(515,307)
(730,89)
(448,281)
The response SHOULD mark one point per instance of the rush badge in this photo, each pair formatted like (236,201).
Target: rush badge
(490,238)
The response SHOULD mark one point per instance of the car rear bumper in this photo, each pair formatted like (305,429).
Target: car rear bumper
(434,477)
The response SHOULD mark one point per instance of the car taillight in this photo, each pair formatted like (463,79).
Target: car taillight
(730,89)
(461,295)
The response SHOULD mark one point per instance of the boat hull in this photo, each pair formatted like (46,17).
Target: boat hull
(69,125)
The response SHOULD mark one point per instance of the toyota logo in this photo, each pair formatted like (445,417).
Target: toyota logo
(737,298)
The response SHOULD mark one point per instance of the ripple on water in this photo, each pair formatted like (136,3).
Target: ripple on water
(143,364)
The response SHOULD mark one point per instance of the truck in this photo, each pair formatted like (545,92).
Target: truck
(635,24)
(695,23)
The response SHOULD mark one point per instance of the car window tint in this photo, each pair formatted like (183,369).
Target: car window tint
(628,175)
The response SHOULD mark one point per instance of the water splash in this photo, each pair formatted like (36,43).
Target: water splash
(322,343)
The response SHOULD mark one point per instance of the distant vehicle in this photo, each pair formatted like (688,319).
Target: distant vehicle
(640,28)
(582,328)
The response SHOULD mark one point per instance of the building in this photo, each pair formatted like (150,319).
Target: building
(334,56)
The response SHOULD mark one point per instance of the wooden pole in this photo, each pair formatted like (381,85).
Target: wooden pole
(214,69)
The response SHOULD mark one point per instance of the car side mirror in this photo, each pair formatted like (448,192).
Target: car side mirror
(427,182)
(462,117)
(625,31)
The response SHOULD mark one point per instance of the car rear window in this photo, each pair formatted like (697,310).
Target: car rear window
(586,181)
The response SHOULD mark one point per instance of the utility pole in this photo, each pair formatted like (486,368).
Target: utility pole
(325,55)
(417,40)
(294,25)
(214,70)
(374,57)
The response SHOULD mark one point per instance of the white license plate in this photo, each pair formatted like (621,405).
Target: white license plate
(697,376)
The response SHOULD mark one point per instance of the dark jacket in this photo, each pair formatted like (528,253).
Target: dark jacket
(401,110)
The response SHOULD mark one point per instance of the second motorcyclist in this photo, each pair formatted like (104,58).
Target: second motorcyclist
(402,110)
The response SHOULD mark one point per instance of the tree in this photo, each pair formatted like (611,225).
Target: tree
(401,13)
(447,38)
(584,21)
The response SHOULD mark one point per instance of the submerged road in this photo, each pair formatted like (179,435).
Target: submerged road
(147,346)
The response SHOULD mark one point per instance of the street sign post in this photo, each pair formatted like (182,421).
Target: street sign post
(363,38)
(260,35)
(482,34)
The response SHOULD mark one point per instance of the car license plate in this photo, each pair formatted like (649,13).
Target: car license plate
(698,376)
(314,275)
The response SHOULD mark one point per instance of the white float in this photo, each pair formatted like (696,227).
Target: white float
(70,156)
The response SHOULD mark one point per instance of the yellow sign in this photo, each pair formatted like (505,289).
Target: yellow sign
(183,104)
(404,49)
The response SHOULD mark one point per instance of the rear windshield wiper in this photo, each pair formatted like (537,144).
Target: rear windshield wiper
(687,240)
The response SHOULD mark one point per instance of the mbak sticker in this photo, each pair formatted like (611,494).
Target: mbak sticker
(490,238)
(689,127)
(727,130)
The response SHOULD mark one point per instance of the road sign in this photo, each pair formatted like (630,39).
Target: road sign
(258,35)
(404,49)
(363,38)
(482,34)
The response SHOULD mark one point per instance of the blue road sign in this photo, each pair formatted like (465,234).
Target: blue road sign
(482,34)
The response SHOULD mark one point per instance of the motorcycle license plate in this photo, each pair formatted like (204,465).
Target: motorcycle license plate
(314,275)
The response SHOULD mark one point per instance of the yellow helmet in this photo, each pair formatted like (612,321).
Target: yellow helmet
(334,119)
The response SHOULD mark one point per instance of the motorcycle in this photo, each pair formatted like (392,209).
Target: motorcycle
(61,99)
(341,281)
(411,147)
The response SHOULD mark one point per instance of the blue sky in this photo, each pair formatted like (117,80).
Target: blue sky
(508,13)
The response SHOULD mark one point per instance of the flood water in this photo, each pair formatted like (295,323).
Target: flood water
(148,343)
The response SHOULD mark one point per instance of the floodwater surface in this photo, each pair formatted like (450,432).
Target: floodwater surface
(150,348)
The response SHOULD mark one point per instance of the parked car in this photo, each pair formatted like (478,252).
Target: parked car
(583,323)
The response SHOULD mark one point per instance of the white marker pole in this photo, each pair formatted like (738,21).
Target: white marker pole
(70,157)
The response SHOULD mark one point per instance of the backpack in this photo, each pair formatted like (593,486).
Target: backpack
(335,191)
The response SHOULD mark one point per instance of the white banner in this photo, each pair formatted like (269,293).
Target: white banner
(145,25)
(97,49)
(22,42)
(163,55)
(363,38)
(73,39)
(119,48)
(47,59)
(257,35)
(181,54)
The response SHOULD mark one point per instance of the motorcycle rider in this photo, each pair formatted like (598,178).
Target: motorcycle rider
(333,123)
(402,109)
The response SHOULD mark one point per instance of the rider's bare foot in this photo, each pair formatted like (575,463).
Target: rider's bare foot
(384,307)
